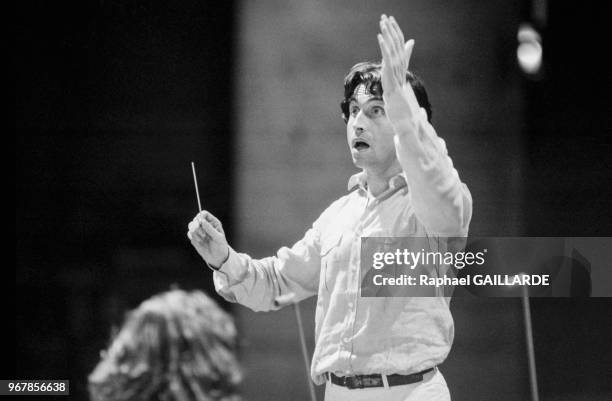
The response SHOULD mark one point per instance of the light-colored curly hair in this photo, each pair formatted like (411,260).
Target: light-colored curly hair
(176,346)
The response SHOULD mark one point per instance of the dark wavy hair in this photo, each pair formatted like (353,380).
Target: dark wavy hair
(368,73)
(176,346)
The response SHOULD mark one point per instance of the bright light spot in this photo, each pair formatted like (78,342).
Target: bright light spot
(530,57)
(529,52)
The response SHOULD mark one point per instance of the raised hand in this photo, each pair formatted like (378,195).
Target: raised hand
(399,98)
(395,54)
(208,238)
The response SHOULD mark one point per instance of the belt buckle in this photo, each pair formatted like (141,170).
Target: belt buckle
(353,382)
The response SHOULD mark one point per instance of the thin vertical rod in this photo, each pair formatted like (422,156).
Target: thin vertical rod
(195,181)
(533,380)
(298,316)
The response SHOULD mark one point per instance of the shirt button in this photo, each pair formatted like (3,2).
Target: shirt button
(346,339)
(350,304)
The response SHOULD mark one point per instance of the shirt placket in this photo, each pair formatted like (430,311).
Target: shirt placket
(367,208)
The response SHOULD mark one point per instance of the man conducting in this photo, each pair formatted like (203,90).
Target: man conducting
(365,348)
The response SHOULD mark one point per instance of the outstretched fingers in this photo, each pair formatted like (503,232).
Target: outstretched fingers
(397,34)
(389,84)
(396,53)
(384,49)
(394,37)
(388,36)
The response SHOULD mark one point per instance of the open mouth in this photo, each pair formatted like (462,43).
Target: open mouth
(361,145)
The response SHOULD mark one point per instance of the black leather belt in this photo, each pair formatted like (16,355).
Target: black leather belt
(375,380)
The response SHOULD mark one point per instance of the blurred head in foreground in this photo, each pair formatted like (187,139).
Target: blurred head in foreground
(176,346)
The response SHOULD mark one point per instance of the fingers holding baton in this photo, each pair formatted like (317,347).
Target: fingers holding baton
(206,233)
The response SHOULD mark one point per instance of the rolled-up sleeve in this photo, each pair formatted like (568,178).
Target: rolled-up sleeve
(256,283)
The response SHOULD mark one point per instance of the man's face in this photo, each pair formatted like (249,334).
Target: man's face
(369,132)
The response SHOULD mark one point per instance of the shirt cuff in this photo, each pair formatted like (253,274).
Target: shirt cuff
(230,273)
(215,268)
(234,266)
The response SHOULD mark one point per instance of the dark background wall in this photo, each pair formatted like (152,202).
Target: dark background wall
(568,192)
(114,99)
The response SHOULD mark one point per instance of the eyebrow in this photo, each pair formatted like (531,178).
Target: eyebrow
(372,99)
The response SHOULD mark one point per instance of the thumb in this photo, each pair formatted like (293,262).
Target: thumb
(408,50)
(212,231)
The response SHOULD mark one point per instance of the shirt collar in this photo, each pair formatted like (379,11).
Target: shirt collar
(398,181)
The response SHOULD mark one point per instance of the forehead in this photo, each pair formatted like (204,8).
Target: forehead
(363,93)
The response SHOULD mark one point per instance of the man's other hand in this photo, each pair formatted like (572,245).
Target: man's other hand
(400,101)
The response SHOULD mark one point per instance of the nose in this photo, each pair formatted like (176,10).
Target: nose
(360,123)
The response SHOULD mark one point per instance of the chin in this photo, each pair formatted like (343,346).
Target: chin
(358,162)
